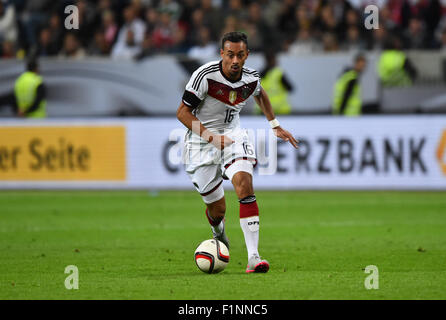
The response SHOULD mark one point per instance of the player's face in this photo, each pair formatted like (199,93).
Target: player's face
(233,57)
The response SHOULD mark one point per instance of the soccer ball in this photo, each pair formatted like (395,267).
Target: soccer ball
(212,256)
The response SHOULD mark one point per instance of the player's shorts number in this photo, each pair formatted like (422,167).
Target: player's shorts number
(229,116)
(247,149)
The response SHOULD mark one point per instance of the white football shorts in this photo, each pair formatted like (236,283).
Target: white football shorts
(207,166)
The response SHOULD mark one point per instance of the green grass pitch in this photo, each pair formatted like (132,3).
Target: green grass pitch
(140,245)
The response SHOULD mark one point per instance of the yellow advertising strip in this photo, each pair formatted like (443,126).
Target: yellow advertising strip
(71,153)
(441,152)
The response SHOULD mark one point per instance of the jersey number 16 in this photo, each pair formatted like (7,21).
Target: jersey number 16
(229,115)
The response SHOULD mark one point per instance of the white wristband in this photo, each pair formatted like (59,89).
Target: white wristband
(274,123)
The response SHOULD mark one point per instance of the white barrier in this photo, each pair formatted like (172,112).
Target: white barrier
(407,153)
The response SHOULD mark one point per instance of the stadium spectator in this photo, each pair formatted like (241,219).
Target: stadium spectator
(174,26)
(385,19)
(429,12)
(172,7)
(131,34)
(304,43)
(378,39)
(287,25)
(231,24)
(72,48)
(352,22)
(399,12)
(45,46)
(212,18)
(57,32)
(8,24)
(99,45)
(102,7)
(127,50)
(138,8)
(353,41)
(165,35)
(196,24)
(7,49)
(185,18)
(340,9)
(414,35)
(352,18)
(235,8)
(330,42)
(148,48)
(109,28)
(206,50)
(151,20)
(259,32)
(442,45)
(86,22)
(326,23)
(34,16)
(303,17)
(271,11)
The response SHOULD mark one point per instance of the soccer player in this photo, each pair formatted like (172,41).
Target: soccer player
(216,148)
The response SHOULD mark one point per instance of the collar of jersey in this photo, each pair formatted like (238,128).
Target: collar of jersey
(229,79)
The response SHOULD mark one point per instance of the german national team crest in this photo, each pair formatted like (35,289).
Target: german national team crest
(232,96)
(245,92)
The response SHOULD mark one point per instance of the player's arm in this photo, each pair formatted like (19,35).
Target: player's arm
(186,117)
(265,105)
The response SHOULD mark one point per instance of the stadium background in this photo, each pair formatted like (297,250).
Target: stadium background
(111,125)
(94,73)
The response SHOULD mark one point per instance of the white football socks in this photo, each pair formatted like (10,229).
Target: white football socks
(250,227)
(249,222)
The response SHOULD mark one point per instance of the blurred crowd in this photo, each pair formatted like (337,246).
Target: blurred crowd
(133,29)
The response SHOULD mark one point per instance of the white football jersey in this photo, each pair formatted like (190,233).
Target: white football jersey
(216,99)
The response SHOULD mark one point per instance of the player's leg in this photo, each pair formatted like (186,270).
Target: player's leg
(207,180)
(215,213)
(240,174)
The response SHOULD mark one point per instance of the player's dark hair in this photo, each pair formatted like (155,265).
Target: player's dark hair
(234,36)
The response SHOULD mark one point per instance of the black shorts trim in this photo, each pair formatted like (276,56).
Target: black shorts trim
(212,190)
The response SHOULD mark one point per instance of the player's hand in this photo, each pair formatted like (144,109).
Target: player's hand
(220,141)
(286,136)
(21,114)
